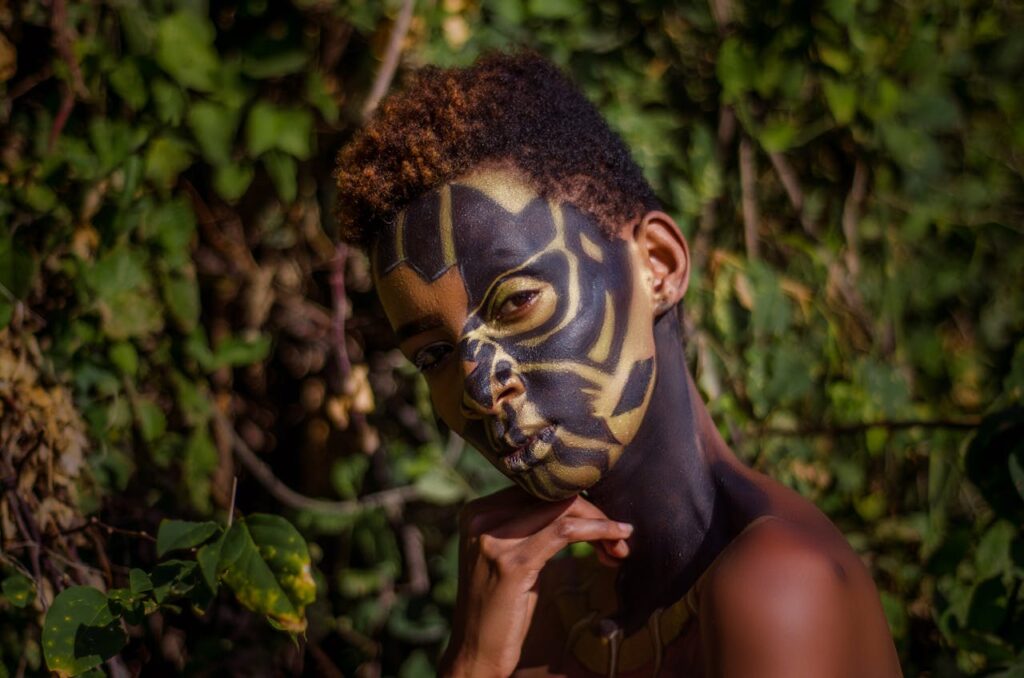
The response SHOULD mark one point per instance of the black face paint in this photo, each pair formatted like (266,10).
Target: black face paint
(558,329)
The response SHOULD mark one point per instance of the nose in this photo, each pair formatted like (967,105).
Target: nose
(489,383)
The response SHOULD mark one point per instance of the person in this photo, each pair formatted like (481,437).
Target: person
(531,276)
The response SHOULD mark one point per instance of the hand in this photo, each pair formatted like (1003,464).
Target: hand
(505,540)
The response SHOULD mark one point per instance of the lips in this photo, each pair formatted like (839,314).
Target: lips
(533,451)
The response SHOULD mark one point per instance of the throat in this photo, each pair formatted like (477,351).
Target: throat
(664,486)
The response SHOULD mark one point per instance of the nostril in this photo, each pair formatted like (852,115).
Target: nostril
(503,372)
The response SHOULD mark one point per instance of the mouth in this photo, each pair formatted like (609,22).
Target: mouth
(533,451)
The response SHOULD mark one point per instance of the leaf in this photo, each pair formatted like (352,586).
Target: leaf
(842,100)
(174,535)
(440,486)
(213,127)
(166,158)
(184,49)
(235,351)
(282,171)
(266,563)
(208,558)
(129,314)
(151,419)
(129,84)
(554,9)
(173,579)
(181,294)
(170,102)
(272,127)
(231,180)
(79,631)
(125,357)
(139,581)
(19,590)
(17,267)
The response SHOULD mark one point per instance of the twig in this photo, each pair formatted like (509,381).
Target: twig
(851,216)
(231,506)
(748,188)
(292,499)
(339,300)
(791,183)
(110,529)
(415,560)
(389,64)
(847,429)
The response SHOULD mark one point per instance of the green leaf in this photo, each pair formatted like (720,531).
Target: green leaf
(19,590)
(318,94)
(166,158)
(554,9)
(181,294)
(440,486)
(231,180)
(235,351)
(208,558)
(170,102)
(17,267)
(128,83)
(139,581)
(151,419)
(282,171)
(272,127)
(184,49)
(125,357)
(173,579)
(79,631)
(127,314)
(213,127)
(274,64)
(266,563)
(174,535)
(842,100)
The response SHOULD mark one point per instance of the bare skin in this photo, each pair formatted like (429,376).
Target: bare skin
(667,505)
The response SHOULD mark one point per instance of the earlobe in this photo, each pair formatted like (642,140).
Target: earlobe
(667,257)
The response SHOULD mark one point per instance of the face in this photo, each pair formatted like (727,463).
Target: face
(532,327)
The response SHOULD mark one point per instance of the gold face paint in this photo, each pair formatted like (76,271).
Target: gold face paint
(544,359)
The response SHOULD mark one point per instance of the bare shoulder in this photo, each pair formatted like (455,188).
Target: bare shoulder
(789,600)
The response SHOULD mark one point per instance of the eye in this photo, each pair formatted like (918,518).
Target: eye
(515,304)
(431,357)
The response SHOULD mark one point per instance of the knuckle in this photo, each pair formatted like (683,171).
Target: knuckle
(487,545)
(565,529)
(510,563)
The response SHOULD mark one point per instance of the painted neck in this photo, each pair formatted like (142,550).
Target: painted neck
(664,486)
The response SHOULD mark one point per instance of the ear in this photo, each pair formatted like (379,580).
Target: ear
(666,255)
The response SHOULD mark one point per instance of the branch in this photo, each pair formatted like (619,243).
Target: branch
(791,183)
(292,499)
(748,189)
(390,62)
(847,429)
(339,299)
(851,216)
(110,529)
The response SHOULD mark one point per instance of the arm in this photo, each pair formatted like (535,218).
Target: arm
(504,542)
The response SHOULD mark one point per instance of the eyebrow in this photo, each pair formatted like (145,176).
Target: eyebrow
(418,326)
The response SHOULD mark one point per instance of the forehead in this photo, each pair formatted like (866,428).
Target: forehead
(484,224)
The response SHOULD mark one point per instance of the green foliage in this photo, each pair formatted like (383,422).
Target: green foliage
(262,559)
(167,240)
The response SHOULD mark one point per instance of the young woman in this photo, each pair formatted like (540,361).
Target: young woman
(529,273)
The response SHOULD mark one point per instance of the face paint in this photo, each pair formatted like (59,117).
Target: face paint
(533,327)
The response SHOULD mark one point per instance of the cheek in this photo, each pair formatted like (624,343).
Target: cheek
(446,396)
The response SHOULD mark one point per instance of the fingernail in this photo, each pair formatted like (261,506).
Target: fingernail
(626,527)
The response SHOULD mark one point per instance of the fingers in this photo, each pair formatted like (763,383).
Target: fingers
(568,529)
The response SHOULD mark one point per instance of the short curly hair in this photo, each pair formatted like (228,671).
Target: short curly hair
(516,108)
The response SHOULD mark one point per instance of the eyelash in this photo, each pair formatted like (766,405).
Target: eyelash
(527,297)
(418,360)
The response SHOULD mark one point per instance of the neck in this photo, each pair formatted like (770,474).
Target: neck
(665,486)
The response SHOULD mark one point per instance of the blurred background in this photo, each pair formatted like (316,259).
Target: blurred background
(176,312)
